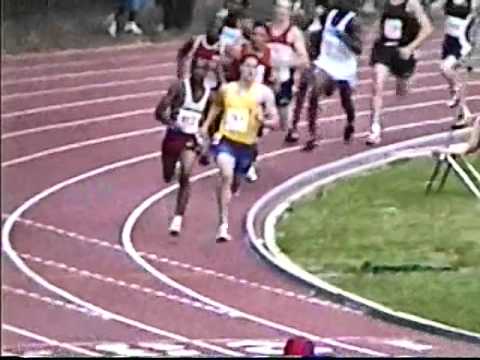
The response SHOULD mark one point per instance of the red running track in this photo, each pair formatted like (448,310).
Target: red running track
(67,114)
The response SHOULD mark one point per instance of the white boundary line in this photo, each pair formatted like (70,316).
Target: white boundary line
(14,95)
(113,49)
(282,261)
(49,341)
(150,111)
(101,85)
(156,129)
(112,61)
(13,80)
(135,255)
(35,110)
(7,247)
(437,39)
(12,254)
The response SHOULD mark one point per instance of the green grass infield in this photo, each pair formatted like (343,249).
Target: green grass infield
(379,236)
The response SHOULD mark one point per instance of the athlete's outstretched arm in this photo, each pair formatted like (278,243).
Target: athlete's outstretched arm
(426,27)
(353,40)
(171,98)
(182,55)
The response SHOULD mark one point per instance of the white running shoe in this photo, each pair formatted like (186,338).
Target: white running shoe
(454,100)
(131,26)
(176,225)
(252,175)
(113,28)
(222,233)
(375,136)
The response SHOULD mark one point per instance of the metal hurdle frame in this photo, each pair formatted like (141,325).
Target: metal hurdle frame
(464,170)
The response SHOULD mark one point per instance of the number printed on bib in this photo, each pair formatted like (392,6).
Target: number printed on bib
(189,121)
(393,29)
(236,120)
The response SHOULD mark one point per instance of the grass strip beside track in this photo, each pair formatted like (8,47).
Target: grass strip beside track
(378,235)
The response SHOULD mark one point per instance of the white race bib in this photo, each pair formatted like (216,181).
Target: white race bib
(393,29)
(236,120)
(189,121)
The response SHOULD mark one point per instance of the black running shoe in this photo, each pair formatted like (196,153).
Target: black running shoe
(347,133)
(292,137)
(310,145)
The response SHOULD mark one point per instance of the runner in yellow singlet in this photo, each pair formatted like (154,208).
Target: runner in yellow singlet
(233,145)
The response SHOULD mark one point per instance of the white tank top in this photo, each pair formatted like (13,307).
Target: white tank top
(336,58)
(190,114)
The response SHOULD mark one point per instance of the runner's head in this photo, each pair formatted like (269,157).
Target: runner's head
(259,34)
(248,68)
(213,31)
(282,11)
(199,69)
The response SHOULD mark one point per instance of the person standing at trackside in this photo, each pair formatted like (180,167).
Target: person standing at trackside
(404,27)
(181,110)
(457,45)
(131,26)
(240,103)
(288,53)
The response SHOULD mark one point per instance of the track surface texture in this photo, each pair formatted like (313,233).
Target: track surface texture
(80,152)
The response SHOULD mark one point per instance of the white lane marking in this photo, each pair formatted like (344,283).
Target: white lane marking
(409,345)
(49,341)
(93,86)
(7,247)
(83,122)
(136,256)
(15,95)
(11,253)
(124,70)
(97,141)
(113,61)
(81,144)
(61,53)
(119,283)
(47,299)
(185,266)
(85,74)
(141,95)
(149,111)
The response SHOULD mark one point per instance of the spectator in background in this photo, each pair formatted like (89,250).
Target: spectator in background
(132,7)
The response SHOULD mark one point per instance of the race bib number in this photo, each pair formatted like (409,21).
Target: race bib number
(236,120)
(189,121)
(393,29)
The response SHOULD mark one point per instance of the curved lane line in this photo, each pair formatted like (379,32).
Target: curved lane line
(49,341)
(10,221)
(96,141)
(7,247)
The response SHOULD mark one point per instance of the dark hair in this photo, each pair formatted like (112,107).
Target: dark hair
(259,23)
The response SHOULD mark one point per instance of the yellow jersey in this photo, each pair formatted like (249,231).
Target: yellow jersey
(242,113)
